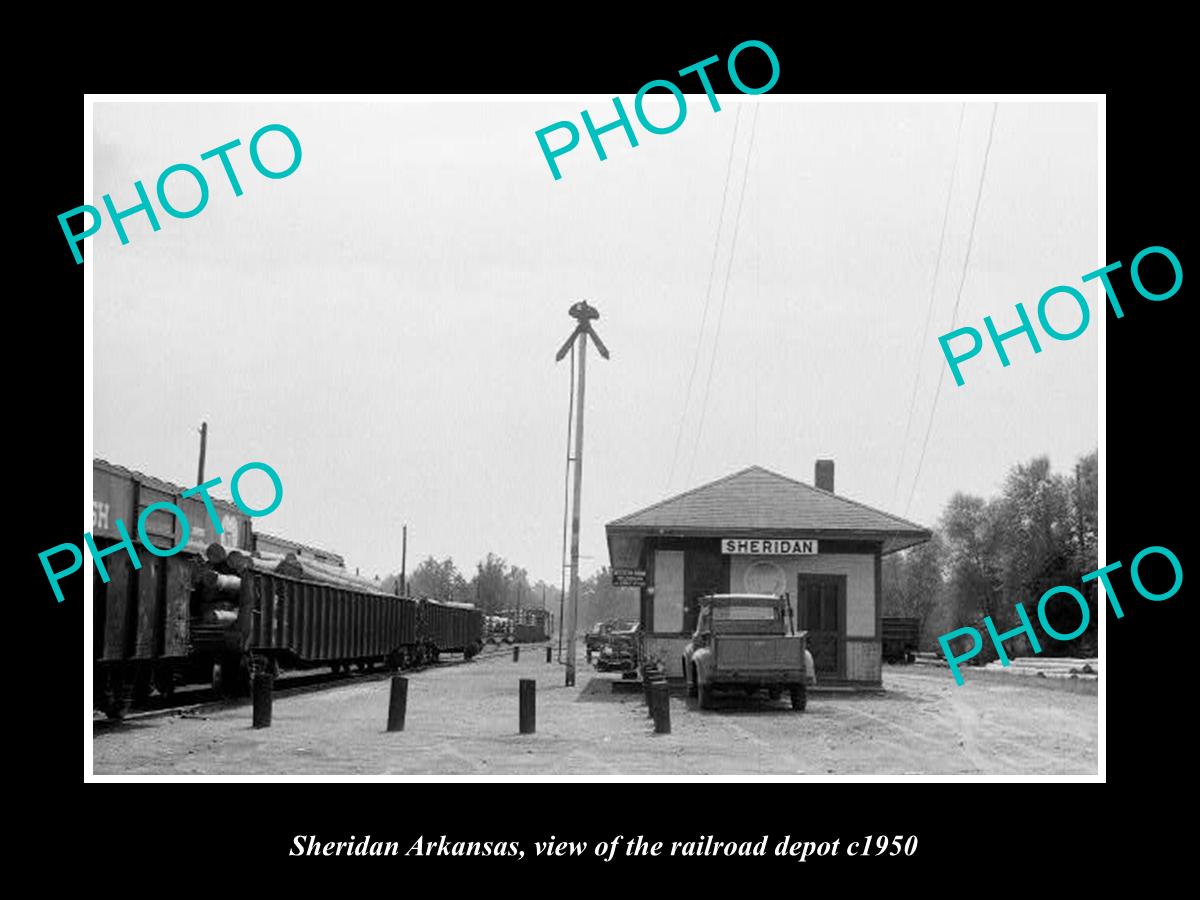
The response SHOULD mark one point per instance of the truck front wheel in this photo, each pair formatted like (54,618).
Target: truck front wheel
(799,697)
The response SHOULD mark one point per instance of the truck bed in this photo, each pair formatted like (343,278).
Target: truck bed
(750,653)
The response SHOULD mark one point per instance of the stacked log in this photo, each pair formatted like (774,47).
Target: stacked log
(1049,666)
(298,567)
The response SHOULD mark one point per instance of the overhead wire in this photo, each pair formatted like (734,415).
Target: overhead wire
(712,268)
(937,268)
(957,298)
(724,291)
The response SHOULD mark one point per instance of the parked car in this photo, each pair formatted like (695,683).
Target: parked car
(596,639)
(747,642)
(621,652)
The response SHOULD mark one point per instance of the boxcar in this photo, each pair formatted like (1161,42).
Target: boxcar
(142,618)
(273,544)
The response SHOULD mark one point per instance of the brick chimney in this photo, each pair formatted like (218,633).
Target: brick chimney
(824,475)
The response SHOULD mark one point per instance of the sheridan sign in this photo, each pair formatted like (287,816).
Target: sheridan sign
(768,546)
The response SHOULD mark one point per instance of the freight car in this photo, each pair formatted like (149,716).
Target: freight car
(298,614)
(900,637)
(220,608)
(142,617)
(269,544)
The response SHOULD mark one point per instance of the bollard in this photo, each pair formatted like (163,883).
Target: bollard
(397,703)
(660,707)
(262,684)
(528,709)
(652,682)
(516,653)
(547,654)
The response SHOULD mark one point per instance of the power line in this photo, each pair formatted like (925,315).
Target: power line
(958,297)
(937,268)
(712,269)
(737,219)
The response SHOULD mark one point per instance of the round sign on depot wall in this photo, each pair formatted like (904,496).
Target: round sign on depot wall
(763,577)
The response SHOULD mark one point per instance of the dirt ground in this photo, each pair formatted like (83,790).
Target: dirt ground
(462,720)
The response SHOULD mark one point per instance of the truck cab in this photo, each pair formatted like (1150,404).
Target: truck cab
(747,642)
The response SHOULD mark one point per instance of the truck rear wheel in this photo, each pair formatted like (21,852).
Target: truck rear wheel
(775,692)
(799,697)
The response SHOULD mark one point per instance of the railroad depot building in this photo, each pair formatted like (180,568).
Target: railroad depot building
(756,531)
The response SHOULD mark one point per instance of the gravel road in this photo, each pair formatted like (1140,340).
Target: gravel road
(462,720)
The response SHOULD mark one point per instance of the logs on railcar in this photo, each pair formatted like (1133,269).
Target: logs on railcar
(296,567)
(238,561)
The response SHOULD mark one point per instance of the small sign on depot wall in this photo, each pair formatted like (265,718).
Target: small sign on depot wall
(623,577)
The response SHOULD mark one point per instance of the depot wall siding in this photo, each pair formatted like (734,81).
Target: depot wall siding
(668,592)
(672,564)
(864,661)
(668,648)
(859,569)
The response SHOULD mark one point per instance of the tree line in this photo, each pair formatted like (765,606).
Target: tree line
(497,585)
(988,554)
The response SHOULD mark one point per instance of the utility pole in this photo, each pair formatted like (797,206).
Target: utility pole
(583,314)
(562,559)
(203,446)
(403,562)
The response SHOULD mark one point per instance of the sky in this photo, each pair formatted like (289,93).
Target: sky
(380,326)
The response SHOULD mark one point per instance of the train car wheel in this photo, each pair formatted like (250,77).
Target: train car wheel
(141,684)
(164,681)
(231,676)
(115,701)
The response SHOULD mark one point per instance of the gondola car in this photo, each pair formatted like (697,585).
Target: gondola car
(298,614)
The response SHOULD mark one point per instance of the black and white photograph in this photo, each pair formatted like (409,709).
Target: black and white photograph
(687,434)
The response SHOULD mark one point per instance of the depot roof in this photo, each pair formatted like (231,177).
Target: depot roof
(756,502)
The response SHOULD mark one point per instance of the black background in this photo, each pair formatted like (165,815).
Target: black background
(970,834)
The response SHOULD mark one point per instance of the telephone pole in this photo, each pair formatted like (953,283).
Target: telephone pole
(583,314)
(203,446)
(403,561)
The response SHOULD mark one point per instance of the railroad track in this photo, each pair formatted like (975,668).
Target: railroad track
(198,700)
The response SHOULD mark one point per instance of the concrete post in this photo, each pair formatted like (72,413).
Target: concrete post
(528,705)
(397,703)
(262,684)
(660,707)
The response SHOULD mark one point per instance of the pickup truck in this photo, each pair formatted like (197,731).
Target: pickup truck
(747,642)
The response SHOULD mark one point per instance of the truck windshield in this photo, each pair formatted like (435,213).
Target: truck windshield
(744,613)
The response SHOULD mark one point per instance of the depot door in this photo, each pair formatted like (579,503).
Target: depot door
(821,611)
